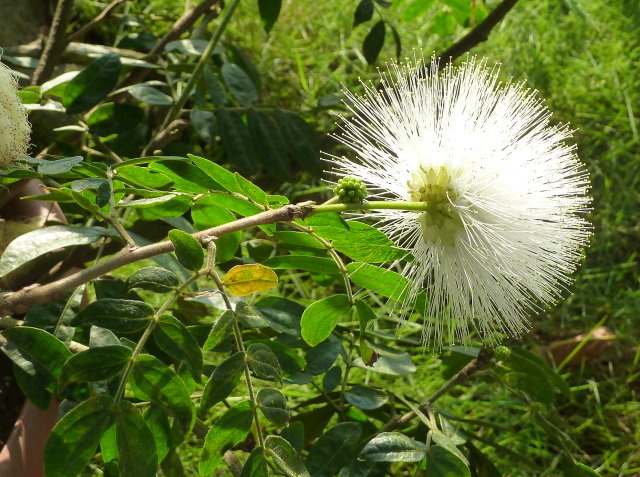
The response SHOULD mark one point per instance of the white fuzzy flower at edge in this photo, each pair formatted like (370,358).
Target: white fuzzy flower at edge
(506,196)
(14,125)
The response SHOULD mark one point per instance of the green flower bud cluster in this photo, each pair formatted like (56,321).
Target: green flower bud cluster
(350,190)
(501,353)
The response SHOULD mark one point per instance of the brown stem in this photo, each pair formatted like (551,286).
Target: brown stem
(101,16)
(474,365)
(43,293)
(55,42)
(479,34)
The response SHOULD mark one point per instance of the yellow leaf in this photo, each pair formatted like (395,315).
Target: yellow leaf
(243,280)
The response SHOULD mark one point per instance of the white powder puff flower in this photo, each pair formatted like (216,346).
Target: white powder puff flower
(505,197)
(14,126)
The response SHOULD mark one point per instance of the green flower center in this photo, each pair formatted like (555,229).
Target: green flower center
(441,221)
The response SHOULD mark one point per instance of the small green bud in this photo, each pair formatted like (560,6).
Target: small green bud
(350,190)
(501,353)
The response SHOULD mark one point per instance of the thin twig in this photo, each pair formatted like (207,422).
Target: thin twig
(55,42)
(184,23)
(478,34)
(101,16)
(165,136)
(472,367)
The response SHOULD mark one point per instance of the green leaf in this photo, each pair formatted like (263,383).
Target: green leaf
(35,386)
(206,214)
(174,338)
(35,351)
(236,141)
(93,84)
(173,207)
(235,204)
(303,262)
(285,457)
(137,455)
(263,362)
(153,381)
(294,435)
(75,437)
(398,364)
(362,242)
(366,398)
(415,9)
(59,166)
(243,60)
(320,318)
(393,447)
(297,240)
(119,315)
(95,364)
(156,279)
(334,449)
(274,406)
(320,358)
(215,88)
(252,191)
(158,423)
(365,314)
(185,176)
(143,176)
(239,84)
(150,95)
(269,11)
(363,13)
(204,124)
(300,141)
(188,250)
(109,450)
(226,432)
(373,42)
(268,144)
(250,317)
(378,280)
(218,173)
(331,379)
(219,330)
(222,382)
(256,465)
(443,463)
(38,242)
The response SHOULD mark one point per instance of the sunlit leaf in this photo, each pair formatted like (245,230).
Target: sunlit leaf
(243,280)
(393,447)
(320,318)
(285,457)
